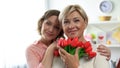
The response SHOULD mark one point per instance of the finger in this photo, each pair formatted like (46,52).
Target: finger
(104,54)
(108,58)
(101,47)
(62,51)
(102,51)
(107,51)
(57,46)
(77,49)
(62,59)
(62,56)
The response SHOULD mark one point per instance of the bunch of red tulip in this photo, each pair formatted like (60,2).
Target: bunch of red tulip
(70,46)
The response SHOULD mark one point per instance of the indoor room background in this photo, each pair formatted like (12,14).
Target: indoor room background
(18,26)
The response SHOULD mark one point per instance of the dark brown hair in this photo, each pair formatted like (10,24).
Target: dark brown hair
(46,15)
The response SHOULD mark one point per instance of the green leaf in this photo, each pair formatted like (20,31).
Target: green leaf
(67,48)
(72,51)
(81,53)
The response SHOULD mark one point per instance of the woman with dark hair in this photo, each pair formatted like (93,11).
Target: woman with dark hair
(40,53)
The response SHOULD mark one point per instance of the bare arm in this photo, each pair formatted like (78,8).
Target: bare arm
(35,61)
(48,57)
(32,58)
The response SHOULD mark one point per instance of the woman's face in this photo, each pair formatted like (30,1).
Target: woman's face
(50,28)
(73,25)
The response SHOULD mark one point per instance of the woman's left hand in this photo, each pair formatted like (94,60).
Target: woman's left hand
(71,61)
(104,51)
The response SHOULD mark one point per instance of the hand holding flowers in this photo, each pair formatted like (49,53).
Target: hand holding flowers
(70,46)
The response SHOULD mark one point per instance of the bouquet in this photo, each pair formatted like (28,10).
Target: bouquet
(70,46)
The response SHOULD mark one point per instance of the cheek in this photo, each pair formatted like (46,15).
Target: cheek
(81,26)
(43,28)
(81,29)
(64,29)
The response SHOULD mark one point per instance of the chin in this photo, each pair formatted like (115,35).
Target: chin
(72,36)
(48,38)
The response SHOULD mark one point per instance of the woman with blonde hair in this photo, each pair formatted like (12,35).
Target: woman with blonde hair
(74,20)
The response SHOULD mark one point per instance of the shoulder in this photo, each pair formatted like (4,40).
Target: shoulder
(36,46)
(32,46)
(36,49)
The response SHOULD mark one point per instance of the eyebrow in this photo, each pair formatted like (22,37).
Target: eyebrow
(76,17)
(73,18)
(47,20)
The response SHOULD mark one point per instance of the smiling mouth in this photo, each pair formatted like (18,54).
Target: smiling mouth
(49,34)
(72,32)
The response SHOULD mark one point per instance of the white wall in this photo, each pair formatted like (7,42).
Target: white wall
(91,7)
(18,29)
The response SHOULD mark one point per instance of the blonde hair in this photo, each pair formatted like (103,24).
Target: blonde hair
(69,9)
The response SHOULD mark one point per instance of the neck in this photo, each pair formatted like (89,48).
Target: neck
(46,42)
(82,39)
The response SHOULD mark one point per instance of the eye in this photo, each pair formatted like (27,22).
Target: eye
(66,21)
(76,20)
(48,23)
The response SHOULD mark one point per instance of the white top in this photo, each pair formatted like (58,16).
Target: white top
(96,62)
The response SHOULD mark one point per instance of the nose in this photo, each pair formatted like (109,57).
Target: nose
(51,29)
(71,25)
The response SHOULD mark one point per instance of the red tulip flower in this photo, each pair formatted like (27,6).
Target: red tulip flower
(70,46)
